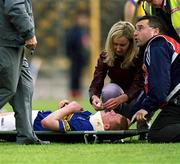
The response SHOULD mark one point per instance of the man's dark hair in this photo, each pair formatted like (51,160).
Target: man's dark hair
(154,22)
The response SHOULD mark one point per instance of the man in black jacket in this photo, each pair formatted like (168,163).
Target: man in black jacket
(161,66)
(169,12)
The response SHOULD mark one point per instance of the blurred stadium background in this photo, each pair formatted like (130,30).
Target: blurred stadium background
(52,17)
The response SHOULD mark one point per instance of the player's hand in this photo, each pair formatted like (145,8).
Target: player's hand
(74,107)
(63,103)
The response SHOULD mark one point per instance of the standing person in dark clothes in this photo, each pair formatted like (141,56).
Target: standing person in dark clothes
(16,85)
(169,12)
(162,81)
(121,63)
(77,51)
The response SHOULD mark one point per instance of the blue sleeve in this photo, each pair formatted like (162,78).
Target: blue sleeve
(159,78)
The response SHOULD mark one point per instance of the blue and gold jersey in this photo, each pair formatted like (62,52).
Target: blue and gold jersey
(78,121)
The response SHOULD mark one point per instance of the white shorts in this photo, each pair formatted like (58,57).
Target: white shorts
(7,120)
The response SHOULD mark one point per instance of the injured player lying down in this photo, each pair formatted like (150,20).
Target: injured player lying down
(69,117)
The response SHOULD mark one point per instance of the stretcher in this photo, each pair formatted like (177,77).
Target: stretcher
(78,136)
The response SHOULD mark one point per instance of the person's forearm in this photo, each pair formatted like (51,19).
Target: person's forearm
(129,11)
(60,114)
(52,121)
(98,79)
(123,98)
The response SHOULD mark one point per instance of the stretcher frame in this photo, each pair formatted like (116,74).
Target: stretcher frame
(78,136)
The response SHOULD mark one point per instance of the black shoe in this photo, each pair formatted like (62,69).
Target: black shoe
(33,142)
(40,142)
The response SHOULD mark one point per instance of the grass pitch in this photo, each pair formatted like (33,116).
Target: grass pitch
(131,151)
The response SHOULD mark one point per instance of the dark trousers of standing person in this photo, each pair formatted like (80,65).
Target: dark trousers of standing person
(77,64)
(16,87)
(166,127)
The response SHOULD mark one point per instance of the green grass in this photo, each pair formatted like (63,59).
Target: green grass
(132,151)
(51,105)
(94,153)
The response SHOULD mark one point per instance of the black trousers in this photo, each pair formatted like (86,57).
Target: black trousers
(166,127)
(76,70)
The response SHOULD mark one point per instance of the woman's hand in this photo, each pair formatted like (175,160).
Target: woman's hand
(97,103)
(115,102)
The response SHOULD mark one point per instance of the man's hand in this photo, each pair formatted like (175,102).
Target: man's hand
(31,43)
(139,116)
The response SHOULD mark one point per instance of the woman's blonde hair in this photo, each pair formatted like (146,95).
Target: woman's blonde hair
(120,29)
